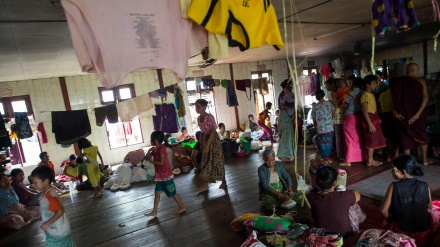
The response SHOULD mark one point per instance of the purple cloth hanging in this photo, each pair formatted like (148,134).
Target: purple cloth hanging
(314,83)
(166,118)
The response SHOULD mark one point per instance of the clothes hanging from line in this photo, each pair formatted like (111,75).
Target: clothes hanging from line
(240,85)
(224,83)
(139,37)
(22,125)
(42,131)
(70,126)
(159,93)
(140,106)
(231,97)
(305,85)
(314,83)
(198,81)
(217,43)
(208,82)
(325,71)
(181,122)
(109,111)
(166,118)
(170,88)
(385,10)
(5,141)
(243,23)
(181,111)
(261,84)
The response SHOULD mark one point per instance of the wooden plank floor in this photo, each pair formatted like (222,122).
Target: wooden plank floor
(205,223)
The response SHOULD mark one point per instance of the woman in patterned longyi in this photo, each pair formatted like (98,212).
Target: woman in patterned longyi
(213,166)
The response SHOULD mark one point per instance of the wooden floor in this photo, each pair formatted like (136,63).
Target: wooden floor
(117,219)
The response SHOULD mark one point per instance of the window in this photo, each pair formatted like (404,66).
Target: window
(262,99)
(121,134)
(116,94)
(196,92)
(23,151)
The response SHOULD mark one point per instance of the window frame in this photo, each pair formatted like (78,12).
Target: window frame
(260,75)
(117,99)
(116,93)
(9,114)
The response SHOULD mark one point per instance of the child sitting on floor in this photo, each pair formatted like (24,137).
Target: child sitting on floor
(70,172)
(163,174)
(55,222)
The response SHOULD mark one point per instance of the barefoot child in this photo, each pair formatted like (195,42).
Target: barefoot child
(372,129)
(164,176)
(323,120)
(55,222)
(93,167)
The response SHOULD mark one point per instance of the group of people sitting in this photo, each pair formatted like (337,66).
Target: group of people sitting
(362,115)
(406,208)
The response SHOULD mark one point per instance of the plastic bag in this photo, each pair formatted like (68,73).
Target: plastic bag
(122,174)
(138,174)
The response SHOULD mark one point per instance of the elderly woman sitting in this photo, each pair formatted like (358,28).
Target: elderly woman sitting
(275,183)
(14,215)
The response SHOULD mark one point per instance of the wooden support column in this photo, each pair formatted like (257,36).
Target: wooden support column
(237,117)
(160,78)
(67,105)
(425,58)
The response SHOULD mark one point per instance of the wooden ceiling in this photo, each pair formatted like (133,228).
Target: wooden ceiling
(35,41)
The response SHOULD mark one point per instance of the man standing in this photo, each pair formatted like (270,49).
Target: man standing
(410,95)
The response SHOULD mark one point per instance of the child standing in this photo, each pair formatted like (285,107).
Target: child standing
(93,167)
(56,223)
(164,176)
(372,129)
(267,132)
(322,118)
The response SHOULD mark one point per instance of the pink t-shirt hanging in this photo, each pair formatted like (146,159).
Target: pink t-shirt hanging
(207,124)
(119,37)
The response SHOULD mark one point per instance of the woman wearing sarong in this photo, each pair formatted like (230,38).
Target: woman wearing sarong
(323,120)
(286,101)
(339,94)
(212,165)
(372,130)
(353,133)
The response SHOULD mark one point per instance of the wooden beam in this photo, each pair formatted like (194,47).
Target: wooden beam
(160,78)
(425,58)
(237,117)
(67,105)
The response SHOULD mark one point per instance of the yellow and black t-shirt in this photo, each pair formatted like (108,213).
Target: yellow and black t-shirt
(248,23)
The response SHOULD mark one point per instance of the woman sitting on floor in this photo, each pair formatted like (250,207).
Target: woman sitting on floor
(275,184)
(407,201)
(26,196)
(13,214)
(70,172)
(335,211)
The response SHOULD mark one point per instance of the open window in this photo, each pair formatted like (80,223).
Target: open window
(23,151)
(260,99)
(121,134)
